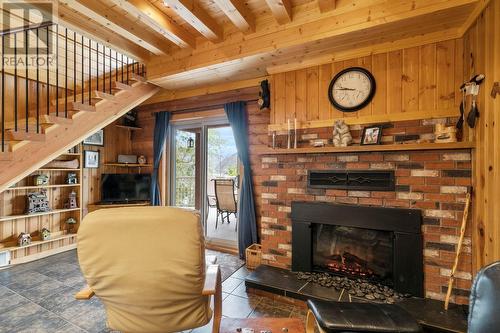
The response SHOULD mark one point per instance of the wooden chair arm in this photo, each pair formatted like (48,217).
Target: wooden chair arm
(213,287)
(84,294)
(212,280)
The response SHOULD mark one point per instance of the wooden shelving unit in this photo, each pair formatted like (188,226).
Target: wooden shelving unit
(132,128)
(34,187)
(368,148)
(14,220)
(24,216)
(128,165)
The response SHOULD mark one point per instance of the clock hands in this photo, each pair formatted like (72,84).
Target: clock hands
(344,89)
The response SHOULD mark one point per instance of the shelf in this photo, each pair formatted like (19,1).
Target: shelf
(54,211)
(70,154)
(370,148)
(128,165)
(36,243)
(34,187)
(132,128)
(61,169)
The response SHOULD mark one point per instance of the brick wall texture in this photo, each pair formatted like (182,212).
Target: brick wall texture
(433,181)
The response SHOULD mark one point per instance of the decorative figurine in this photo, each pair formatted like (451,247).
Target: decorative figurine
(24,239)
(141,159)
(37,202)
(45,234)
(71,203)
(341,134)
(70,222)
(71,178)
(130,119)
(445,133)
(41,179)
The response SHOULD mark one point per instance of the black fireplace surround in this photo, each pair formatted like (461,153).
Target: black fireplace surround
(403,226)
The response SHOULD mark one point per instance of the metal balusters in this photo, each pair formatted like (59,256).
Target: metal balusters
(116,66)
(110,71)
(57,70)
(37,83)
(26,83)
(83,79)
(74,66)
(122,66)
(127,69)
(48,71)
(3,97)
(97,68)
(90,71)
(15,81)
(66,73)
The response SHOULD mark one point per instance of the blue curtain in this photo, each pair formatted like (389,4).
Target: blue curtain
(247,227)
(162,120)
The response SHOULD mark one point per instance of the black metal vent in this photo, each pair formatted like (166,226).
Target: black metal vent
(352,180)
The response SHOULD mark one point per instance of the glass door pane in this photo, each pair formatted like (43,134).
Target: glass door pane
(186,189)
(222,168)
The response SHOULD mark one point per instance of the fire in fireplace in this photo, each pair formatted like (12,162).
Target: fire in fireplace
(354,252)
(374,243)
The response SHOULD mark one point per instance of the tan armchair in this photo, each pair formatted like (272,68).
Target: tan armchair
(147,266)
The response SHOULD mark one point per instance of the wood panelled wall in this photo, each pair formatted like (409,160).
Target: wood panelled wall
(422,78)
(116,141)
(482,55)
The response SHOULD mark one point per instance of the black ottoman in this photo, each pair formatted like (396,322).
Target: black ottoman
(334,316)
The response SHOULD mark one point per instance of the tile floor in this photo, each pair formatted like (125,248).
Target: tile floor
(39,297)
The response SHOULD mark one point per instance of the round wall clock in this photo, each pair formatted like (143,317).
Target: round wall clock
(351,89)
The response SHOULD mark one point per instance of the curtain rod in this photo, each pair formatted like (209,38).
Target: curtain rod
(202,108)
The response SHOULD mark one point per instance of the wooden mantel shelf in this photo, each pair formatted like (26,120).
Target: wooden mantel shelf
(354,149)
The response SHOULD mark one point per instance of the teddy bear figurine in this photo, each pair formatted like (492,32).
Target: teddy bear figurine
(341,134)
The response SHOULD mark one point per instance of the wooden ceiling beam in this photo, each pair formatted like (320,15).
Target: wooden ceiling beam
(100,13)
(281,9)
(339,24)
(326,5)
(307,61)
(156,20)
(238,13)
(73,21)
(197,17)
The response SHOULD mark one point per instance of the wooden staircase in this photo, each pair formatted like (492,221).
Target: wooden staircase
(50,136)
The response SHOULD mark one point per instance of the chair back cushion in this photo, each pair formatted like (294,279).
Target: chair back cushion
(484,302)
(147,266)
(224,192)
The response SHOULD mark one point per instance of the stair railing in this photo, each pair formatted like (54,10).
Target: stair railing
(47,57)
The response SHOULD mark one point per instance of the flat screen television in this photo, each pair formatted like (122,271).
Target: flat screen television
(120,188)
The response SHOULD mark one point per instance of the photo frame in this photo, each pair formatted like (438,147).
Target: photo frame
(91,159)
(96,139)
(372,135)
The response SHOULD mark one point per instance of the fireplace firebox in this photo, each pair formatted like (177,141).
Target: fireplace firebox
(378,244)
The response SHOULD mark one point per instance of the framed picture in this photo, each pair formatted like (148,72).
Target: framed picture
(371,135)
(96,139)
(90,159)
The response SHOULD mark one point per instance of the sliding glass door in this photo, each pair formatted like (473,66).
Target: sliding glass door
(204,176)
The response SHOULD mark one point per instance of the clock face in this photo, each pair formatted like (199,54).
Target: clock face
(351,89)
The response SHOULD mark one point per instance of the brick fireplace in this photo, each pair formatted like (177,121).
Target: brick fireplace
(432,181)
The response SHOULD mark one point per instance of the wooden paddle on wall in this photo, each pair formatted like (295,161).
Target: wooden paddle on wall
(459,248)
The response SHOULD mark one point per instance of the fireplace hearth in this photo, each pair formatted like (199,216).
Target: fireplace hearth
(381,245)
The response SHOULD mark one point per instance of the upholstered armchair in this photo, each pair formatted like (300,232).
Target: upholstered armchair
(147,266)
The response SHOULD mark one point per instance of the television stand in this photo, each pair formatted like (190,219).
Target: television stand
(96,206)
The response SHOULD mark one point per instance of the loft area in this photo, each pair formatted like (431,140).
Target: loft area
(242,166)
